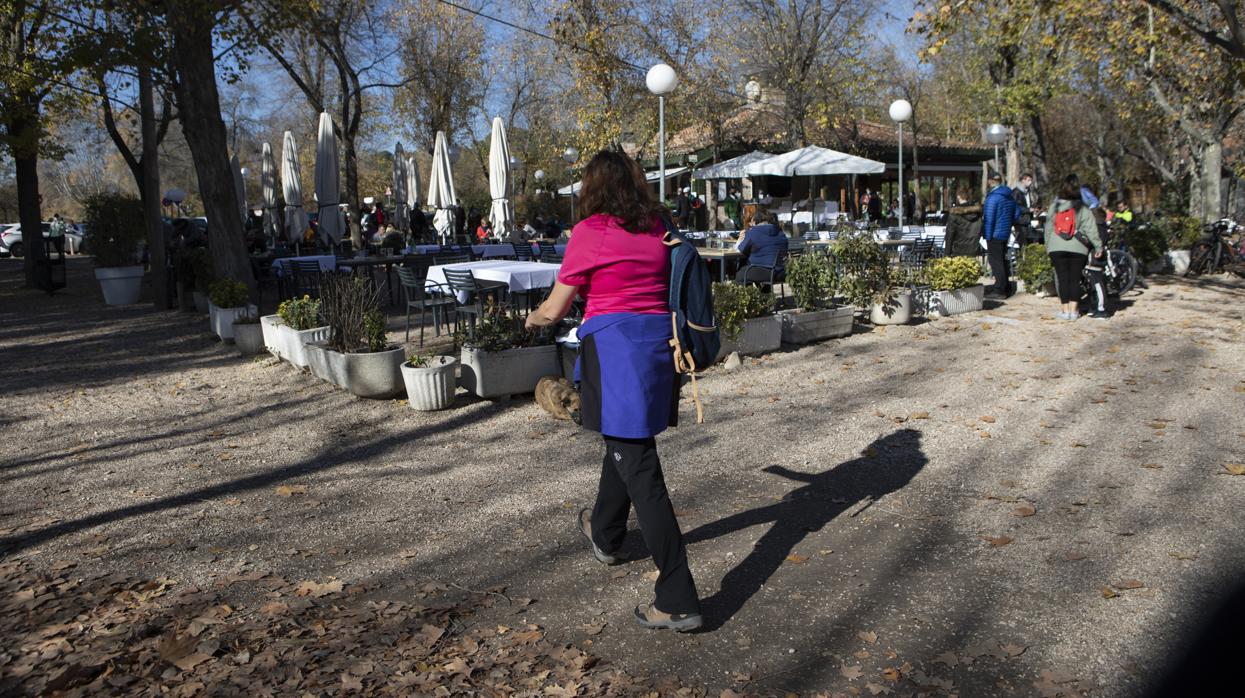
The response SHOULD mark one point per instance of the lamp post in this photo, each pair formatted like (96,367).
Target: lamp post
(900,112)
(661,81)
(571,156)
(996,135)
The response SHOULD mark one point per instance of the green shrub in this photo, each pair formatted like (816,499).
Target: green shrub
(812,280)
(375,331)
(865,273)
(1035,269)
(1182,232)
(500,330)
(735,304)
(300,313)
(227,293)
(950,273)
(1147,242)
(117,228)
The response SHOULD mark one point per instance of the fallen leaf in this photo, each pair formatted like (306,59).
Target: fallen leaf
(191,661)
(851,673)
(861,654)
(1152,466)
(593,628)
(1234,468)
(316,590)
(1183,556)
(619,574)
(998,542)
(919,415)
(651,576)
(1014,650)
(1072,556)
(890,673)
(1108,593)
(797,559)
(868,636)
(877,688)
(988,419)
(290,490)
(1024,509)
(1125,584)
(351,683)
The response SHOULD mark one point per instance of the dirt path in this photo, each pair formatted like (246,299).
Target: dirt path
(941,508)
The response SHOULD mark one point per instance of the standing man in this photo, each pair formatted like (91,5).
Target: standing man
(1026,202)
(999,215)
(682,209)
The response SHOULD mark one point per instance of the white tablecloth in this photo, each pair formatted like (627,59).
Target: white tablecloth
(280,266)
(485,251)
(519,276)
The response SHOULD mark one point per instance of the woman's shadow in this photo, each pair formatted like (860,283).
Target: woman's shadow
(885,466)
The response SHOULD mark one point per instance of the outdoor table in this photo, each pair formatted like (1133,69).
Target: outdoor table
(517,276)
(370,264)
(722,255)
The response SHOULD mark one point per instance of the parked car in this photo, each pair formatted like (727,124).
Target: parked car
(11,239)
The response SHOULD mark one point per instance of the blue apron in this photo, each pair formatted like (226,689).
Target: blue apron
(628,387)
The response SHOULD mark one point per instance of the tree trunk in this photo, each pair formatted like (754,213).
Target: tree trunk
(1210,171)
(190,24)
(918,205)
(350,161)
(1041,173)
(149,189)
(29,201)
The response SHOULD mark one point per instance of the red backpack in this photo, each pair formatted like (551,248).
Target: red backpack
(1065,224)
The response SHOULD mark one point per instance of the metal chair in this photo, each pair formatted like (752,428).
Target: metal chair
(415,292)
(452,258)
(769,277)
(418,263)
(547,249)
(307,277)
(463,282)
(522,251)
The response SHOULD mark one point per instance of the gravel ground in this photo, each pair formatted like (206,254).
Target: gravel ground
(942,508)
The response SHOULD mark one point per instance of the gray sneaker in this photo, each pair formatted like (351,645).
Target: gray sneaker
(584,520)
(1061,315)
(648,616)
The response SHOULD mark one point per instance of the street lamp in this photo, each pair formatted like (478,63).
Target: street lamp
(996,135)
(571,156)
(661,81)
(539,175)
(900,112)
(515,163)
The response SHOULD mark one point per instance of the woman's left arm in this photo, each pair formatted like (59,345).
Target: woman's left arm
(554,308)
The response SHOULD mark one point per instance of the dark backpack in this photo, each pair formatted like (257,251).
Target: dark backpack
(696,338)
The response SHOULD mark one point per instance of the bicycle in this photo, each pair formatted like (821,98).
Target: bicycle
(1119,267)
(1215,252)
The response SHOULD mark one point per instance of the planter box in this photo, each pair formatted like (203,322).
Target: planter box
(293,343)
(1178,260)
(802,327)
(760,335)
(898,313)
(373,374)
(273,336)
(249,338)
(201,301)
(121,285)
(318,360)
(497,373)
(222,319)
(431,387)
(961,300)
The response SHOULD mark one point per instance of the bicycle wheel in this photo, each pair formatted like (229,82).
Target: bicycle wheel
(1125,273)
(1199,258)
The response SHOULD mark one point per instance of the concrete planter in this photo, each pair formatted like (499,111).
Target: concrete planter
(803,327)
(121,285)
(1178,261)
(270,326)
(328,366)
(293,342)
(761,335)
(954,302)
(249,338)
(510,372)
(373,374)
(897,313)
(431,387)
(222,319)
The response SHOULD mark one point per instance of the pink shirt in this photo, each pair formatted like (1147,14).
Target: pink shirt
(617,271)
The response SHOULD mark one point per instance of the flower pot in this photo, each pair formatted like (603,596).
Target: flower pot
(760,335)
(954,302)
(497,373)
(898,312)
(121,285)
(249,338)
(221,319)
(373,374)
(431,387)
(802,326)
(201,301)
(293,343)
(330,369)
(1179,261)
(273,337)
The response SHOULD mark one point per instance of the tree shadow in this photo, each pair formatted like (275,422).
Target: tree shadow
(887,465)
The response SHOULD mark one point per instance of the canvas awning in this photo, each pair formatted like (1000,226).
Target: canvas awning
(814,161)
(733,168)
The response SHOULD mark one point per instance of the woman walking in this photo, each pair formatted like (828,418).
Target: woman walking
(1071,237)
(618,262)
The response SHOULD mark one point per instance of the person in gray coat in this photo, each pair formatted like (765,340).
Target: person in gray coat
(964,227)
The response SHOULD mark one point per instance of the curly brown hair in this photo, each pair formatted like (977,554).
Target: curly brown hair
(614,185)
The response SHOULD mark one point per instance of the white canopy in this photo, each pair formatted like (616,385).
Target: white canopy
(268,191)
(239,186)
(649,177)
(441,188)
(502,212)
(813,161)
(401,214)
(733,168)
(292,190)
(328,184)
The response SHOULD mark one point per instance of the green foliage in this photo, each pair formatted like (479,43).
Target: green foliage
(375,331)
(1147,242)
(1035,269)
(812,280)
(1180,232)
(117,228)
(500,330)
(418,360)
(865,274)
(950,273)
(300,313)
(735,304)
(350,306)
(227,293)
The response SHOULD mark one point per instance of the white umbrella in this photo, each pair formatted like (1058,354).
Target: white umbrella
(412,184)
(268,190)
(328,184)
(239,186)
(812,161)
(441,188)
(733,168)
(292,190)
(502,214)
(401,215)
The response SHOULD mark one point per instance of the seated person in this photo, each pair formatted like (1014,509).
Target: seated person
(762,246)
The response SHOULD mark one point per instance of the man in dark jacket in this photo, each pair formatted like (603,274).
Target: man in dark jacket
(998,216)
(762,246)
(964,227)
(1026,203)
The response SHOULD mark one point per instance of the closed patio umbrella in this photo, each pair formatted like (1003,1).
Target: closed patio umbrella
(401,214)
(441,188)
(268,190)
(502,213)
(239,186)
(328,184)
(292,190)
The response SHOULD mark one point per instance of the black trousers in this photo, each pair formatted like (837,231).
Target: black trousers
(631,476)
(996,250)
(1068,267)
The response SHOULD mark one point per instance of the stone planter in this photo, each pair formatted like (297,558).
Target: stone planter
(954,302)
(293,343)
(222,319)
(201,301)
(1178,260)
(328,366)
(249,338)
(802,327)
(373,374)
(897,313)
(270,326)
(121,285)
(510,372)
(431,387)
(760,335)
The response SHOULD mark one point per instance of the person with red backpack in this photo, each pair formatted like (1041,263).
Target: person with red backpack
(1071,239)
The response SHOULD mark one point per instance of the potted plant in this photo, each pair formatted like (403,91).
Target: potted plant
(500,358)
(1182,234)
(956,285)
(1036,272)
(812,280)
(248,335)
(227,302)
(430,381)
(868,281)
(203,274)
(746,318)
(358,354)
(296,325)
(117,230)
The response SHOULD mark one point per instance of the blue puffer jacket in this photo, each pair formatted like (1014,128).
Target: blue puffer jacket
(1000,214)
